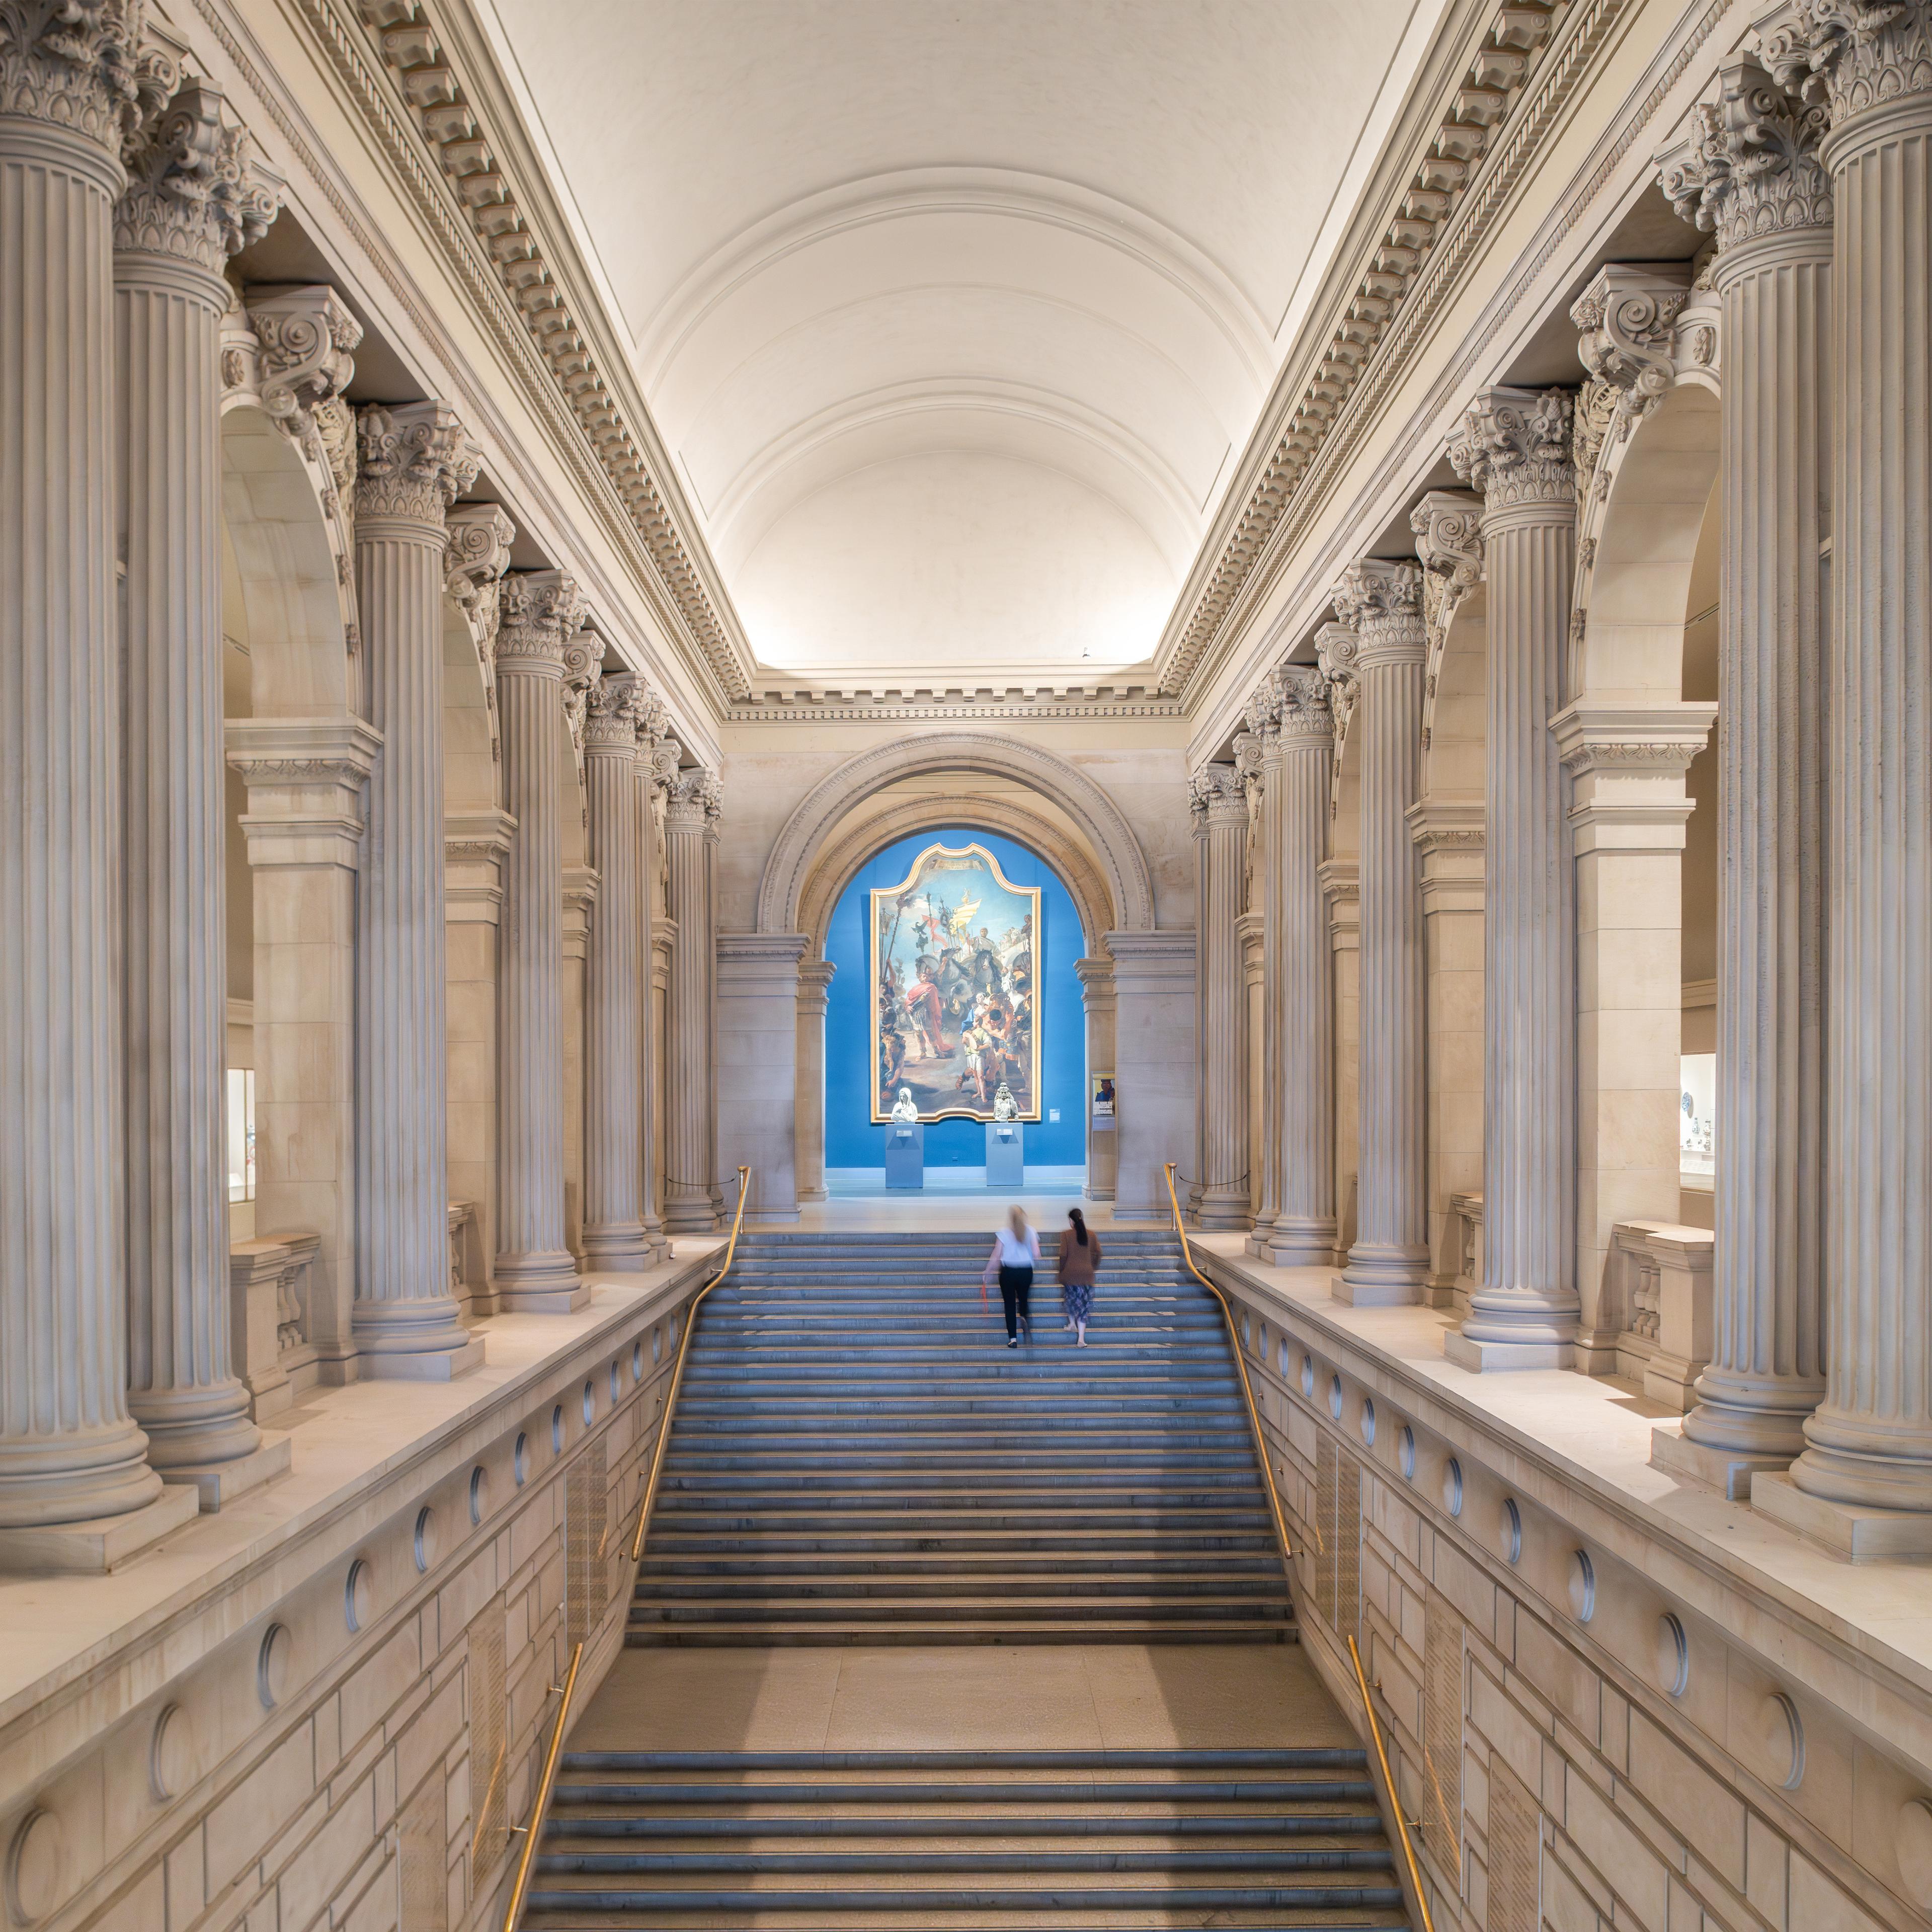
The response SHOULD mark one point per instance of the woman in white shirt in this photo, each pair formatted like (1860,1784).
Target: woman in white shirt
(1015,1254)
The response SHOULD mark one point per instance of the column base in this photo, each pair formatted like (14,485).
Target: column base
(1290,1243)
(1223,1213)
(1098,1193)
(93,1548)
(220,1483)
(539,1284)
(426,1365)
(1488,1358)
(618,1250)
(1853,1532)
(1379,1277)
(813,1194)
(1728,1471)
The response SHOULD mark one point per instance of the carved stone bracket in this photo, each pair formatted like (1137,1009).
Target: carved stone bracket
(1627,317)
(1448,524)
(1338,651)
(476,554)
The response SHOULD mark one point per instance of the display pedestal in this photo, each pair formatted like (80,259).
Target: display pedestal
(1006,1154)
(905,1153)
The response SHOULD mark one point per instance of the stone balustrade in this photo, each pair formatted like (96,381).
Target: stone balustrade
(1657,1299)
(268,1311)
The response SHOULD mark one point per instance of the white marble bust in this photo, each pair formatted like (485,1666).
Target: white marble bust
(1005,1107)
(903,1108)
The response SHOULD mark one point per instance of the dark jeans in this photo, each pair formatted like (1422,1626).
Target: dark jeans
(1015,1285)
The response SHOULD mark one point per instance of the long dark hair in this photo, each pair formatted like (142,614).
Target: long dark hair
(1079,1221)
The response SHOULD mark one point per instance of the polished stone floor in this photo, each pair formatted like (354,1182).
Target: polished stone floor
(963,1697)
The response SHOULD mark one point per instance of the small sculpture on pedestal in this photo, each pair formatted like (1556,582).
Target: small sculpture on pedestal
(903,1108)
(1005,1107)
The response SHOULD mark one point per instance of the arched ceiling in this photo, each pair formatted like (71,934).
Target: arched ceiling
(956,315)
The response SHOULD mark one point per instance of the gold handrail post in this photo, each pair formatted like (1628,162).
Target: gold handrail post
(677,1370)
(1388,1785)
(1241,1368)
(534,1829)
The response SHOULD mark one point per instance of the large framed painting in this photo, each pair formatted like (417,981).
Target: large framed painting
(954,950)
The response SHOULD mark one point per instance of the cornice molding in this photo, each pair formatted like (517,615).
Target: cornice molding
(1490,122)
(895,706)
(653,540)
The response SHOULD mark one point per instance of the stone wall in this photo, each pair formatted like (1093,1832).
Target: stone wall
(340,1726)
(1596,1724)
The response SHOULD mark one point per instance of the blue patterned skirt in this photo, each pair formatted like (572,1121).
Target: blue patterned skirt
(1077,1298)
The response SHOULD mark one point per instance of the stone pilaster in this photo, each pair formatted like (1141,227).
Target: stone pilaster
(814,987)
(536,1272)
(614,1237)
(691,842)
(414,460)
(1341,892)
(194,196)
(1298,988)
(1869,1441)
(1381,603)
(1098,1002)
(1752,173)
(1220,812)
(1514,450)
(69,1452)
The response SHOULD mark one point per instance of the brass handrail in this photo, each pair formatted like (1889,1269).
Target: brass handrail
(533,1830)
(677,1370)
(1241,1365)
(1388,1785)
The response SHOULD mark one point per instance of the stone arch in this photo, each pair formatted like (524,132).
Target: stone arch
(842,856)
(1115,851)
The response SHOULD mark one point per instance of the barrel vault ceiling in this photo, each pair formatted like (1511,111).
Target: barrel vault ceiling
(956,316)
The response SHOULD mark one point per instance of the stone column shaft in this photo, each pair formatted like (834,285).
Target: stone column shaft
(1773,277)
(814,986)
(690,1151)
(616,986)
(1265,1150)
(174,229)
(415,460)
(1101,1006)
(536,1271)
(1382,604)
(1220,830)
(69,1449)
(1301,994)
(1515,449)
(1870,1439)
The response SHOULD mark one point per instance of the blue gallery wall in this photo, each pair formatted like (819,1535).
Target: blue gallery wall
(851,1138)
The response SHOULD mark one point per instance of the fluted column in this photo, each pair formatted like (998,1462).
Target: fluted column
(1102,1007)
(1754,176)
(1870,1439)
(656,770)
(1301,986)
(1220,811)
(1381,603)
(615,985)
(690,839)
(69,1449)
(414,460)
(1514,450)
(1265,1149)
(814,987)
(194,196)
(536,1271)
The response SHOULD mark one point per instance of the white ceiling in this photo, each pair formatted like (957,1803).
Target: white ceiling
(956,315)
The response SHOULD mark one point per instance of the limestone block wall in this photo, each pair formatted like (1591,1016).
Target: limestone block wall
(1597,1726)
(339,1726)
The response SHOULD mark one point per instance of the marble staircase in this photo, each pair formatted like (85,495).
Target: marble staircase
(857,1457)
(1284,1839)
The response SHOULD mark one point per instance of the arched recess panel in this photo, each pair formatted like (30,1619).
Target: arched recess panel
(854,1143)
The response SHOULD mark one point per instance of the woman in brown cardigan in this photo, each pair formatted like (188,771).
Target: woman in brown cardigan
(1079,1256)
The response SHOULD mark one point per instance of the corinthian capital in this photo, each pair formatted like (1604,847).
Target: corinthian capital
(1514,448)
(1381,603)
(415,460)
(542,611)
(697,798)
(1303,711)
(1849,54)
(196,191)
(1625,317)
(1216,794)
(79,65)
(1749,165)
(614,712)
(305,335)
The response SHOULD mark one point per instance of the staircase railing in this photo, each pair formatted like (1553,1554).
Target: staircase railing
(1394,1796)
(1241,1369)
(533,1831)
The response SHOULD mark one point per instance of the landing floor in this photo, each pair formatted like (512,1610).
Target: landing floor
(992,1697)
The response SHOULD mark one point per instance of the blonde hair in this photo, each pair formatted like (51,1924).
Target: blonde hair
(1017,1221)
